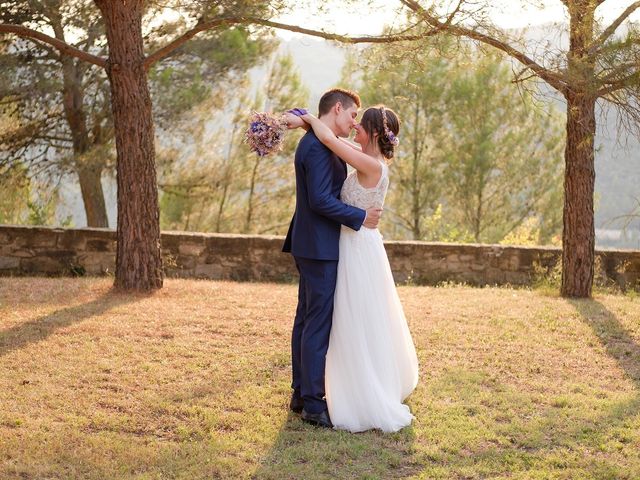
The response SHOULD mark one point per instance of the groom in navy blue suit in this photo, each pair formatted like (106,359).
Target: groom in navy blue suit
(313,240)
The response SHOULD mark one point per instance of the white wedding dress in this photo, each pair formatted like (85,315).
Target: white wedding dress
(371,364)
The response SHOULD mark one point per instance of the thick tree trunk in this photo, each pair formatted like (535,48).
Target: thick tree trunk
(578,234)
(138,259)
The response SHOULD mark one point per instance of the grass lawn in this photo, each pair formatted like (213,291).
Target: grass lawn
(192,382)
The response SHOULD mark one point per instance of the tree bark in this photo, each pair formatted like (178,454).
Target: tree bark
(88,171)
(578,234)
(92,195)
(138,257)
(416,211)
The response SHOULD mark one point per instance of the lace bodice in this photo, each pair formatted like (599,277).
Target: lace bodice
(354,194)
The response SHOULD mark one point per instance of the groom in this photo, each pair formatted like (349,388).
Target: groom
(313,239)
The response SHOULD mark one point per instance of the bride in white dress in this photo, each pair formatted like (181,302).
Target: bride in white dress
(371,365)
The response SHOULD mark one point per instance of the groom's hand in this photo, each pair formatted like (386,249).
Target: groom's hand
(372,218)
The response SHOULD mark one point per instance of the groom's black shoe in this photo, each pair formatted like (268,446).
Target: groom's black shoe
(296,404)
(318,419)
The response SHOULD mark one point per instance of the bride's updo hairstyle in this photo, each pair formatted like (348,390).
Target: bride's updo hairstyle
(384,123)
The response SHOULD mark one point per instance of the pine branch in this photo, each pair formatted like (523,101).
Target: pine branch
(228,21)
(613,86)
(555,79)
(614,73)
(613,27)
(63,47)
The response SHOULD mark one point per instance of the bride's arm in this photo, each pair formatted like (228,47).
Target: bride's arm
(362,162)
(352,145)
(294,121)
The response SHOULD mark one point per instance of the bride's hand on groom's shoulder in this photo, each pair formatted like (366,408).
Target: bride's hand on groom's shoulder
(294,121)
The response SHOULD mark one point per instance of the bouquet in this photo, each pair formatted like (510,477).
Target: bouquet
(265,134)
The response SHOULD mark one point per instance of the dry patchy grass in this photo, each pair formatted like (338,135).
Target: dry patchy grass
(193,382)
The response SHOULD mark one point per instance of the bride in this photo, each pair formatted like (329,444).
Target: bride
(371,363)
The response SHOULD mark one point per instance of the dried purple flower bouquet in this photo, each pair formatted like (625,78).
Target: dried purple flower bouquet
(265,134)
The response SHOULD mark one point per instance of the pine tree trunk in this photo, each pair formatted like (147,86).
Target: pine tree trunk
(578,235)
(93,195)
(138,258)
(73,103)
(88,174)
(416,211)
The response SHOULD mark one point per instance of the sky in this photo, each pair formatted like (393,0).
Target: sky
(344,19)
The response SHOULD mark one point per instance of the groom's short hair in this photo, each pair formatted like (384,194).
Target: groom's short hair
(346,97)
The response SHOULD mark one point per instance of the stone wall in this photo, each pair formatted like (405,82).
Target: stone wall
(91,251)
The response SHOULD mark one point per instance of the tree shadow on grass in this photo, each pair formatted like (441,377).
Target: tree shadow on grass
(598,433)
(618,342)
(304,451)
(558,439)
(34,331)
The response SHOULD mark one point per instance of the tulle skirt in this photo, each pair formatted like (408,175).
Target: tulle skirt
(371,362)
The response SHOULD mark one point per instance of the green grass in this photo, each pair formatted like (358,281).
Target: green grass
(192,382)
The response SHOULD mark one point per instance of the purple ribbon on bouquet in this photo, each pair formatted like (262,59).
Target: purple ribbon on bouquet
(298,112)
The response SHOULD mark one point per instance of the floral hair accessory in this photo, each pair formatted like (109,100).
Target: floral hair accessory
(395,141)
(298,112)
(265,134)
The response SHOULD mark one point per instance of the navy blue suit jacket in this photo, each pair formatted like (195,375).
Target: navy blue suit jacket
(315,228)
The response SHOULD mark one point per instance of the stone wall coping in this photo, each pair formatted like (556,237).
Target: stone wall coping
(181,233)
(29,250)
(456,245)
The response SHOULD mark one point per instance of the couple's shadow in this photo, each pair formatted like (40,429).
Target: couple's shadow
(304,451)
